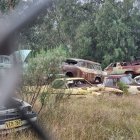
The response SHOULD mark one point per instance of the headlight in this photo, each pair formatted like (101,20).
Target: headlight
(27,109)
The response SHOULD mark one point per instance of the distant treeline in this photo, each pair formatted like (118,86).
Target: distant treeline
(99,30)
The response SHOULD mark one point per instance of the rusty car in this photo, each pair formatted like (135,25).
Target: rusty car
(10,118)
(132,68)
(89,70)
(125,79)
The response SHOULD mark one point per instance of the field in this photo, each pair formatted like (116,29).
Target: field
(93,118)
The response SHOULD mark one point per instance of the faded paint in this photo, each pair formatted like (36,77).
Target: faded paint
(123,67)
(83,68)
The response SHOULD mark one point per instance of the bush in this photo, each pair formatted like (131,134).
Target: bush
(40,72)
(123,87)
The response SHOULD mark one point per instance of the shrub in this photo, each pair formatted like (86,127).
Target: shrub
(123,87)
(41,71)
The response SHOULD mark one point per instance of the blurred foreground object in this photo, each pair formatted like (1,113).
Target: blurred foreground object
(13,23)
(10,26)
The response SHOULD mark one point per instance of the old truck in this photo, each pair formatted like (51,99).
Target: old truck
(132,68)
(89,70)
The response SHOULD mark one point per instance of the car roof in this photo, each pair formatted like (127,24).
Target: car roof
(116,76)
(87,61)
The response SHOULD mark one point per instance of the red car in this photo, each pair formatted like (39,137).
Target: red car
(132,68)
(89,70)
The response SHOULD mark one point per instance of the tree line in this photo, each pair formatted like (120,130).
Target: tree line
(100,30)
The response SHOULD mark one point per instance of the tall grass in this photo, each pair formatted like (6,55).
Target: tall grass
(93,118)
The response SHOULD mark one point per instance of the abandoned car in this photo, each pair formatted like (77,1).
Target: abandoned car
(79,86)
(132,68)
(10,118)
(91,71)
(6,60)
(125,79)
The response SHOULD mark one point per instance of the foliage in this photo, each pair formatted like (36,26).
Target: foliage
(102,31)
(123,87)
(41,70)
(6,5)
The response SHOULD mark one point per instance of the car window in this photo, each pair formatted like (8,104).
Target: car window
(97,67)
(94,66)
(108,82)
(57,84)
(6,60)
(90,66)
(126,80)
(82,64)
(114,65)
(71,62)
(78,83)
(123,64)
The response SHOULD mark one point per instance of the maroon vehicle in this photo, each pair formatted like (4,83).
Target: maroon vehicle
(125,79)
(132,68)
(89,70)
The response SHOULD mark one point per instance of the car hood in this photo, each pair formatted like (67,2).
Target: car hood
(87,90)
(23,54)
(134,89)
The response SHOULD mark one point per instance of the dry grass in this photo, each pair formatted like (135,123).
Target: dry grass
(94,118)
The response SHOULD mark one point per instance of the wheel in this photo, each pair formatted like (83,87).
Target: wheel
(97,80)
(69,74)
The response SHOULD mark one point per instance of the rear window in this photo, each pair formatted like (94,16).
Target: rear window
(94,66)
(78,83)
(4,59)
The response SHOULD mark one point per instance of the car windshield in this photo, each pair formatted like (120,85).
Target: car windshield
(126,80)
(78,83)
(93,66)
(97,67)
(110,82)
(113,81)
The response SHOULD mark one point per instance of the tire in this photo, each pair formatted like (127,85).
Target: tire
(69,74)
(97,80)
